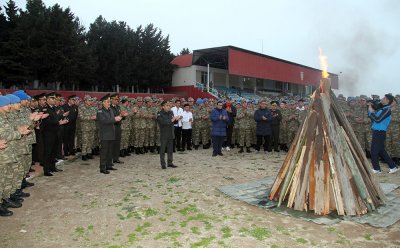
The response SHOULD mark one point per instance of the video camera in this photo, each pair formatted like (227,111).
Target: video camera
(375,104)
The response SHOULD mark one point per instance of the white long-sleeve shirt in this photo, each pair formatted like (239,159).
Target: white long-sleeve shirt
(186,124)
(177,112)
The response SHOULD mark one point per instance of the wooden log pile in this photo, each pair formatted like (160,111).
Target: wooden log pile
(326,169)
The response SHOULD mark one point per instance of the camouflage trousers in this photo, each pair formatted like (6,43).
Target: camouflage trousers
(157,136)
(139,137)
(235,135)
(362,138)
(369,139)
(245,137)
(131,136)
(393,141)
(150,136)
(87,142)
(283,135)
(24,163)
(200,135)
(253,136)
(124,138)
(6,179)
(96,139)
(12,175)
(291,134)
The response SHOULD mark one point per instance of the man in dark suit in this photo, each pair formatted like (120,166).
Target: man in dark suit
(50,127)
(166,121)
(117,142)
(70,128)
(106,122)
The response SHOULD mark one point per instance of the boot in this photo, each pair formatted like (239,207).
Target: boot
(122,153)
(158,149)
(127,152)
(26,183)
(137,151)
(241,150)
(84,157)
(20,193)
(196,147)
(89,156)
(8,203)
(151,149)
(16,198)
(141,150)
(4,211)
(248,150)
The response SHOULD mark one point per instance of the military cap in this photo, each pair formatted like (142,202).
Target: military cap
(61,99)
(94,98)
(71,97)
(190,99)
(363,97)
(154,97)
(375,96)
(397,96)
(139,99)
(51,95)
(147,99)
(41,96)
(105,98)
(115,96)
(183,99)
(87,98)
(276,103)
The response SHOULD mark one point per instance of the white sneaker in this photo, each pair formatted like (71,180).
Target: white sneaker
(376,171)
(395,169)
(228,149)
(223,148)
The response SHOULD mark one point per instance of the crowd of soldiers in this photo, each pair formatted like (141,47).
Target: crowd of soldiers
(47,129)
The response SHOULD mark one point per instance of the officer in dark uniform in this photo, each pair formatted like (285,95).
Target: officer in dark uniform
(166,121)
(39,147)
(60,134)
(51,126)
(106,120)
(275,125)
(117,143)
(69,129)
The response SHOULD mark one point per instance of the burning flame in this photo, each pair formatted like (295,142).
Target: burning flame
(324,64)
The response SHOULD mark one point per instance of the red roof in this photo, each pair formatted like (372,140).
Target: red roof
(183,60)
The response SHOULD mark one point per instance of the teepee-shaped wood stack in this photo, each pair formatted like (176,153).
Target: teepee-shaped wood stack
(326,169)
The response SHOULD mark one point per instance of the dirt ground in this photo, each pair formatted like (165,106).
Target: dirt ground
(140,205)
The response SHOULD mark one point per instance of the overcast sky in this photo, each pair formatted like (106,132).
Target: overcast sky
(361,38)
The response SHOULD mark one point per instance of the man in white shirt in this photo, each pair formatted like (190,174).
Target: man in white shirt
(187,119)
(178,112)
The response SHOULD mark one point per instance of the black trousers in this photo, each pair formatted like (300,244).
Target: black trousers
(50,150)
(38,148)
(106,154)
(69,139)
(117,143)
(60,136)
(166,146)
(275,136)
(229,132)
(186,138)
(378,149)
(264,141)
(178,137)
(217,141)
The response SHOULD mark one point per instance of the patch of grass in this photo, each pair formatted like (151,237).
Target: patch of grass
(132,238)
(90,227)
(162,219)
(199,217)
(260,233)
(150,212)
(301,241)
(368,236)
(80,231)
(173,235)
(226,232)
(195,230)
(142,228)
(188,210)
(173,179)
(331,229)
(274,246)
(204,242)
(115,246)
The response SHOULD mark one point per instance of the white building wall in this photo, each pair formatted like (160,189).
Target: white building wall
(184,76)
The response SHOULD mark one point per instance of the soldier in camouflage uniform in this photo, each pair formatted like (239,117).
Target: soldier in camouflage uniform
(125,127)
(283,132)
(8,159)
(150,117)
(131,119)
(362,122)
(244,117)
(293,122)
(87,127)
(140,126)
(393,134)
(157,108)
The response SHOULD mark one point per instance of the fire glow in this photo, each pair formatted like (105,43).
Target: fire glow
(324,64)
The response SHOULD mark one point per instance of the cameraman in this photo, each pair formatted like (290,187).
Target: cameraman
(380,122)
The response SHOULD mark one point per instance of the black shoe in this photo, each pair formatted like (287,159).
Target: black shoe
(189,149)
(20,193)
(214,154)
(89,156)
(8,203)
(84,157)
(141,150)
(220,154)
(5,212)
(196,147)
(118,162)
(163,167)
(16,198)
(48,174)
(78,150)
(55,170)
(31,170)
(137,151)
(111,168)
(172,166)
(248,150)
(26,183)
(104,171)
(277,150)
(241,150)
(122,154)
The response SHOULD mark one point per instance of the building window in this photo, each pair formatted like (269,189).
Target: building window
(204,77)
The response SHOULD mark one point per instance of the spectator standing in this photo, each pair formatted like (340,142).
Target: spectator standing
(263,118)
(178,111)
(219,118)
(187,120)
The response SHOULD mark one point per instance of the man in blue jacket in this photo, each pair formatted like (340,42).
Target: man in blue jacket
(380,122)
(263,117)
(219,118)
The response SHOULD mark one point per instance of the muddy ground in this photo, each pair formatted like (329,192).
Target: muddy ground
(140,205)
